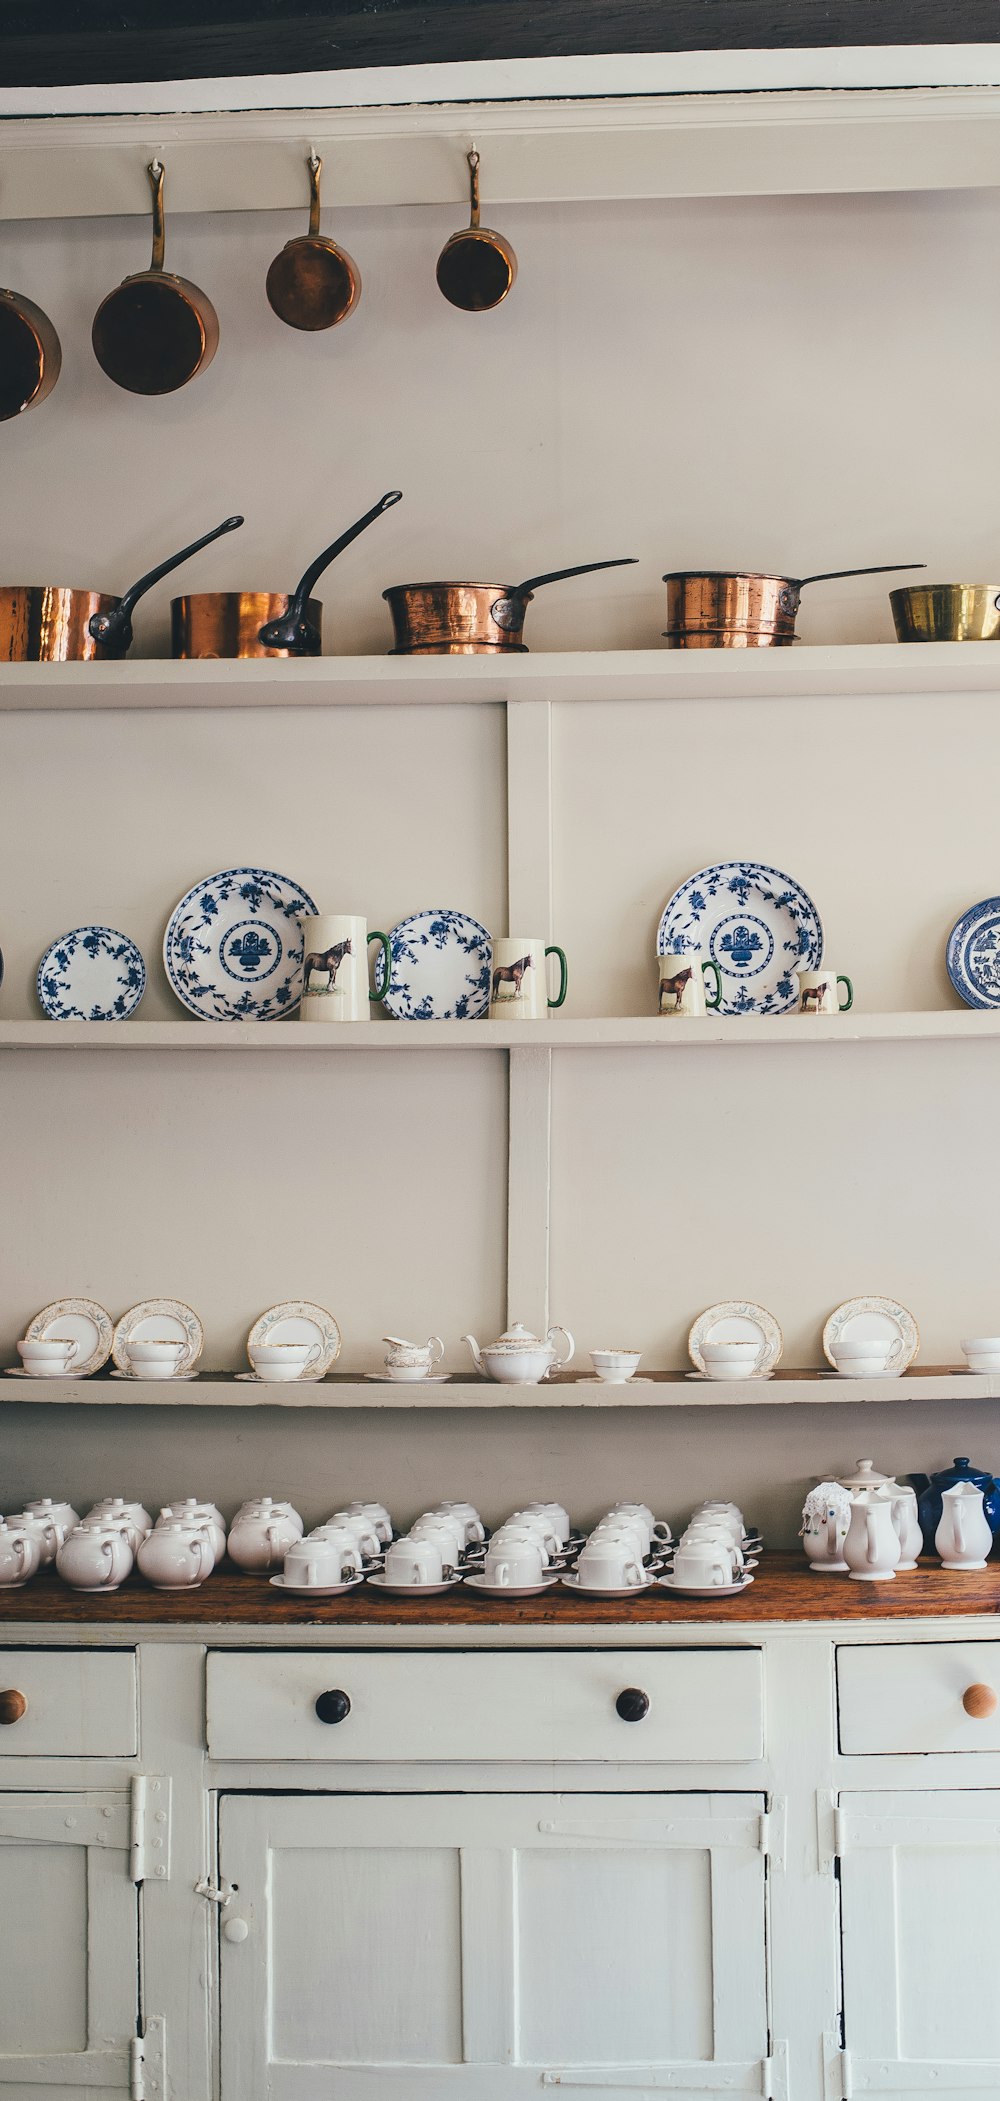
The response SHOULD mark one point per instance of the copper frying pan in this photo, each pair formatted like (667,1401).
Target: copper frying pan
(313,284)
(262,623)
(155,331)
(476,268)
(30,355)
(49,624)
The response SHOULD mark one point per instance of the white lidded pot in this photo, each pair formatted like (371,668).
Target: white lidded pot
(826,1518)
(519,1358)
(866,1475)
(261,1539)
(47,1535)
(20,1556)
(198,1517)
(963,1537)
(871,1549)
(176,1555)
(95,1556)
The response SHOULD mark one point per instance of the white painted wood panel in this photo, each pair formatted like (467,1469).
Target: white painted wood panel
(703,1704)
(479,1946)
(908,1698)
(80,1704)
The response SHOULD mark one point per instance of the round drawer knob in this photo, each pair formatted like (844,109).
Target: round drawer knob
(980,1701)
(235,1930)
(12,1706)
(632,1705)
(333,1706)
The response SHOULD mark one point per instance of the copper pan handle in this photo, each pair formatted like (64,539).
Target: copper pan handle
(155,171)
(555,576)
(294,631)
(830,576)
(314,163)
(114,630)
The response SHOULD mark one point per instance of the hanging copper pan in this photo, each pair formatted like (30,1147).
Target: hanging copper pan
(262,623)
(313,284)
(155,331)
(30,355)
(711,609)
(456,620)
(50,624)
(476,268)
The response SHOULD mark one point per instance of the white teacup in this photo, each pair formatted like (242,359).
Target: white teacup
(705,1535)
(154,1356)
(657,1527)
(514,1564)
(314,1561)
(557,1517)
(475,1530)
(20,1556)
(50,1359)
(982,1353)
(414,1562)
(363,1529)
(867,1359)
(516,1535)
(631,1529)
(277,1363)
(447,1534)
(411,1360)
(732,1360)
(609,1563)
(615,1366)
(378,1517)
(542,1524)
(702,1565)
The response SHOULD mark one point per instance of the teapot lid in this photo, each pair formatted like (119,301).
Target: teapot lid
(517,1337)
(961,1470)
(866,1475)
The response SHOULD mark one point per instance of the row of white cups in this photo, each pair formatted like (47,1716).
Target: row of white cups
(627,1551)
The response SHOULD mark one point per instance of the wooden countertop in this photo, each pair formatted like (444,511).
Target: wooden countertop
(784,1590)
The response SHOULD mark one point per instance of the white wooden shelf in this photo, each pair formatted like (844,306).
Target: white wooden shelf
(624,1032)
(663,1390)
(799,673)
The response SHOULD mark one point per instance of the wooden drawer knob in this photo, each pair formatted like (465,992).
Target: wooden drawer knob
(12,1706)
(980,1701)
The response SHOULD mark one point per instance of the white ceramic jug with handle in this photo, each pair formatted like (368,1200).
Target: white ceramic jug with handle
(871,1549)
(826,1519)
(963,1537)
(903,1504)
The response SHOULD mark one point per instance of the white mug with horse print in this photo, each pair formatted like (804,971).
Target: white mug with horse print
(335,985)
(518,982)
(819,992)
(682,983)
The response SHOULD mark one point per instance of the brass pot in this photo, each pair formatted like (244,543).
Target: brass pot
(262,623)
(947,613)
(713,609)
(53,624)
(461,620)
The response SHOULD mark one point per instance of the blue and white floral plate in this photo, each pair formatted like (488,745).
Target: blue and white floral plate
(758,925)
(91,974)
(440,968)
(233,946)
(973,954)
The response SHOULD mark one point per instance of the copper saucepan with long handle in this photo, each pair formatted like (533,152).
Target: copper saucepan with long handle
(263,623)
(155,331)
(30,355)
(471,619)
(53,624)
(713,609)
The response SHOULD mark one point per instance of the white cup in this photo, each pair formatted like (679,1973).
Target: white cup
(475,1530)
(414,1562)
(615,1366)
(514,1564)
(631,1529)
(363,1529)
(557,1516)
(870,1359)
(277,1363)
(657,1527)
(326,1560)
(378,1517)
(447,1534)
(154,1357)
(515,1535)
(609,1563)
(49,1359)
(542,1525)
(982,1352)
(732,1360)
(714,1536)
(702,1565)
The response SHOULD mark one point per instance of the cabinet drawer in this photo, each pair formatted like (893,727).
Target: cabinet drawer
(909,1697)
(79,1704)
(703,1704)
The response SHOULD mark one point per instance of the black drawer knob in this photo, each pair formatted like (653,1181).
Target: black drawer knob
(333,1706)
(632,1705)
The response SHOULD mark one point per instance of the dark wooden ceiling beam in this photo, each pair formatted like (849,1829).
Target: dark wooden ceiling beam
(83,42)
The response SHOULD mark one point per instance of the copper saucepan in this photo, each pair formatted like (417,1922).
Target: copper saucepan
(455,620)
(30,355)
(312,283)
(710,609)
(262,623)
(155,331)
(50,624)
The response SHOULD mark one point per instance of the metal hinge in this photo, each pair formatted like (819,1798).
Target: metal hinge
(839,2084)
(775,2073)
(149,1852)
(221,1894)
(831,1830)
(148,2061)
(772,1832)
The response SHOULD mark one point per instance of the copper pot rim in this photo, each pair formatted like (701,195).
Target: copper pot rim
(502,590)
(725,576)
(212,597)
(919,590)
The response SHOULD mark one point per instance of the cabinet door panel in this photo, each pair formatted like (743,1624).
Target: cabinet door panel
(921,1942)
(412,1948)
(69,1973)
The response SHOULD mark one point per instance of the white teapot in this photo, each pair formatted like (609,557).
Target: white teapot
(197,1517)
(48,1537)
(963,1537)
(176,1555)
(20,1556)
(261,1536)
(94,1556)
(826,1518)
(519,1358)
(871,1549)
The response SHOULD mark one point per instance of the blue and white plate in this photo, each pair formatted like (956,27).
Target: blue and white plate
(440,968)
(233,946)
(758,925)
(973,955)
(91,974)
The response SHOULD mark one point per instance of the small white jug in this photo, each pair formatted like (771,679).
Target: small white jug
(826,1519)
(903,1504)
(871,1549)
(963,1537)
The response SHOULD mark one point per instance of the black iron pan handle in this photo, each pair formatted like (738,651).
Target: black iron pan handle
(293,631)
(114,630)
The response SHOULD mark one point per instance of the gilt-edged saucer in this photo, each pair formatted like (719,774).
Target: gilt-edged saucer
(380,1581)
(698,1590)
(608,1590)
(509,1595)
(315,1590)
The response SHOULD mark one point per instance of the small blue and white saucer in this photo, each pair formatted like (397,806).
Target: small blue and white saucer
(91,974)
(440,968)
(973,954)
(233,946)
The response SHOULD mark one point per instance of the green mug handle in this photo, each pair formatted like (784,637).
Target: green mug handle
(708,964)
(849,1001)
(378,997)
(563,975)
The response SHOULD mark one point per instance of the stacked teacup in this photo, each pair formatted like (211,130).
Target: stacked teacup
(733,1360)
(714,1552)
(435,1553)
(621,1552)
